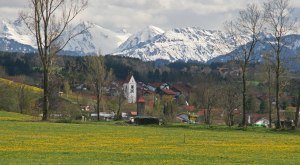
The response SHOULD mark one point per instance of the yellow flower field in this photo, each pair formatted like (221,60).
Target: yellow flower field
(16,85)
(107,143)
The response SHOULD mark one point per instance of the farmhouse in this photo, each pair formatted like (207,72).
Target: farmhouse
(167,92)
(181,89)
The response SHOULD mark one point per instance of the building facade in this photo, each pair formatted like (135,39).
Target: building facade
(130,89)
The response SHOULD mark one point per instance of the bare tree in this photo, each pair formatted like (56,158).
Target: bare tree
(120,99)
(294,89)
(279,22)
(269,66)
(244,31)
(50,23)
(210,100)
(98,76)
(206,96)
(230,101)
(297,110)
(21,98)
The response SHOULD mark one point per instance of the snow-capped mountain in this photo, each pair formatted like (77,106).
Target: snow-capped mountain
(15,31)
(180,44)
(290,53)
(97,40)
(291,49)
(146,35)
(149,44)
(15,37)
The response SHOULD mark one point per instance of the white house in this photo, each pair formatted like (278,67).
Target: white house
(129,87)
(262,122)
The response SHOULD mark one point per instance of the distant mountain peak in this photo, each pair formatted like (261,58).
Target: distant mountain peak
(143,36)
(154,29)
(16,31)
(179,44)
(149,44)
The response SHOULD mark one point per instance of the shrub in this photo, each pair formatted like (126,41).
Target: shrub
(146,120)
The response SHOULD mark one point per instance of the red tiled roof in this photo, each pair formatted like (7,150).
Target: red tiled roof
(256,116)
(156,84)
(133,113)
(148,92)
(168,92)
(141,100)
(181,87)
(190,108)
(201,112)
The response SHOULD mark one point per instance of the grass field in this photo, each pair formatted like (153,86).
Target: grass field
(23,141)
(11,116)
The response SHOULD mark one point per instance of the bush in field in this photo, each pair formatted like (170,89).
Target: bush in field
(8,99)
(16,97)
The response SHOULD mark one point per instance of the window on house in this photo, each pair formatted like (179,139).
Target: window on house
(132,89)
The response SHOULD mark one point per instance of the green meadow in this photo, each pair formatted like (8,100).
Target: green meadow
(24,140)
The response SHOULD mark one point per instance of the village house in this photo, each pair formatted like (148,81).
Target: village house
(168,92)
(151,88)
(181,89)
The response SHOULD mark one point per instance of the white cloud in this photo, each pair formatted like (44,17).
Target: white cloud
(135,14)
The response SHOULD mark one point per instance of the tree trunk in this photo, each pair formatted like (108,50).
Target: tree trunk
(297,110)
(171,110)
(98,107)
(244,96)
(205,116)
(278,124)
(228,119)
(165,109)
(269,99)
(208,116)
(98,101)
(46,94)
(231,119)
(119,116)
(21,98)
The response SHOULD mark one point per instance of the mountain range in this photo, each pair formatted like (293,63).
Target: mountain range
(149,44)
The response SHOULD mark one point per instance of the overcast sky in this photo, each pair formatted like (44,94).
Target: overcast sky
(136,14)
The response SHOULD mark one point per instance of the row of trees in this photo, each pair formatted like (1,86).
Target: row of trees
(246,30)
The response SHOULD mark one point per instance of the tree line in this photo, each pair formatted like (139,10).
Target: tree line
(49,20)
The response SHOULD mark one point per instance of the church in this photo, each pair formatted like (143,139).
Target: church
(130,89)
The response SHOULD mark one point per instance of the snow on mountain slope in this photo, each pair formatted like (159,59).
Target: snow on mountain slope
(145,35)
(290,51)
(149,44)
(15,37)
(183,44)
(97,39)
